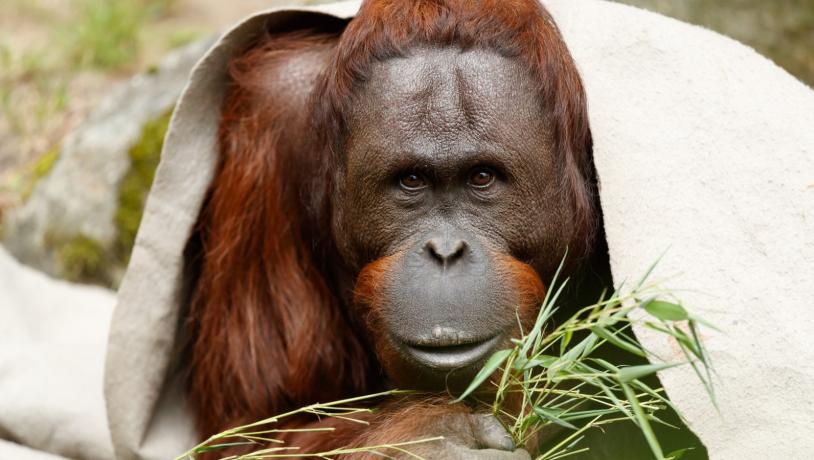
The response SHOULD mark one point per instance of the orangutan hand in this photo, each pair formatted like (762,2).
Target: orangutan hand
(467,437)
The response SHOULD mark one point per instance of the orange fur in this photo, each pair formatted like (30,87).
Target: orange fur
(269,326)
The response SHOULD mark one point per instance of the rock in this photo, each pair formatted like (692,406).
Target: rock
(71,225)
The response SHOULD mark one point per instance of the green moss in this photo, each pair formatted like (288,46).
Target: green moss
(39,169)
(135,186)
(45,163)
(82,259)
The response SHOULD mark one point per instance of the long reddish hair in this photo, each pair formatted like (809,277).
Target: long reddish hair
(270,330)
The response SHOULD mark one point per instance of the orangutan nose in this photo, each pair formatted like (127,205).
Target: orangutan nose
(446,251)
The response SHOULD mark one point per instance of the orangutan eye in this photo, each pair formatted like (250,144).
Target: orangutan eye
(481,177)
(412,181)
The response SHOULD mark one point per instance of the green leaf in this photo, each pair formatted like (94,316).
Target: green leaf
(649,271)
(657,394)
(566,339)
(689,344)
(224,445)
(677,454)
(666,311)
(618,341)
(552,415)
(492,364)
(606,364)
(541,360)
(643,422)
(704,323)
(588,346)
(626,374)
(547,310)
(583,348)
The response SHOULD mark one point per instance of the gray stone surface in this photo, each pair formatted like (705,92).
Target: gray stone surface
(80,195)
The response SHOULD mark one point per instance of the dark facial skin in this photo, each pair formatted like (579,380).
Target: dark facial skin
(449,170)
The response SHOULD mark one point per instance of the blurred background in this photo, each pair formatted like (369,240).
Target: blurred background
(87,86)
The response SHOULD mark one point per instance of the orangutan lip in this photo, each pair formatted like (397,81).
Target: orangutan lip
(448,357)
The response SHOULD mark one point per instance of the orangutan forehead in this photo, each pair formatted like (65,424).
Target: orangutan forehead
(448,88)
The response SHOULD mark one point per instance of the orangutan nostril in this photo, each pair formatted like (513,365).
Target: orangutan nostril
(446,251)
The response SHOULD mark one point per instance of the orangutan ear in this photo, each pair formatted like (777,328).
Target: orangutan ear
(268,334)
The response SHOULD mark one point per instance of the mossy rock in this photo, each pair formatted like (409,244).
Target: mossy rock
(23,183)
(96,191)
(135,185)
(83,259)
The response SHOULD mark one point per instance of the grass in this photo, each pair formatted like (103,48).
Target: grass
(558,375)
(44,79)
(100,35)
(259,433)
(562,382)
(106,34)
(31,90)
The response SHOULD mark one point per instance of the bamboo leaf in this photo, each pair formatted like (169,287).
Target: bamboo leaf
(589,346)
(626,374)
(553,415)
(606,364)
(548,309)
(666,311)
(492,364)
(704,323)
(566,339)
(617,341)
(677,454)
(649,271)
(643,422)
(539,361)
